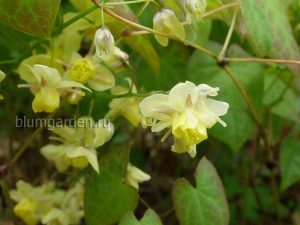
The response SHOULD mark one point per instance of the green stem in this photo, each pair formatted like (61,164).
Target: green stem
(276,196)
(141,27)
(142,9)
(74,19)
(228,37)
(129,2)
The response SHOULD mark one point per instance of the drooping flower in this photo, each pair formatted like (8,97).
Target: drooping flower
(47,205)
(32,202)
(128,107)
(187,112)
(136,176)
(89,70)
(47,85)
(78,148)
(104,42)
(2,76)
(69,209)
(194,8)
(166,22)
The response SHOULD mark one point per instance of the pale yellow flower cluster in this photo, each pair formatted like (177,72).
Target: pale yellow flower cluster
(48,205)
(79,144)
(187,112)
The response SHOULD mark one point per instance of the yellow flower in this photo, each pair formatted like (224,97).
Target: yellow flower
(2,76)
(128,107)
(136,176)
(46,100)
(69,208)
(166,22)
(194,8)
(26,209)
(79,144)
(186,111)
(47,85)
(32,202)
(47,205)
(82,70)
(89,70)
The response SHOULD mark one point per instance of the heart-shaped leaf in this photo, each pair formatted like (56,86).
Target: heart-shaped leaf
(107,197)
(204,204)
(34,17)
(149,218)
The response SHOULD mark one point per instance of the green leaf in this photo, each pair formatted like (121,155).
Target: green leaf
(199,33)
(149,218)
(107,197)
(143,46)
(280,96)
(172,70)
(290,162)
(204,204)
(256,24)
(203,69)
(35,17)
(284,45)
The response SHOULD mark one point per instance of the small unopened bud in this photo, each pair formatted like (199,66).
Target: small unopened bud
(194,8)
(166,22)
(104,42)
(74,98)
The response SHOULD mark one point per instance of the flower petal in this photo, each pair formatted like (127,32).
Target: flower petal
(155,105)
(90,154)
(179,93)
(71,84)
(50,75)
(102,80)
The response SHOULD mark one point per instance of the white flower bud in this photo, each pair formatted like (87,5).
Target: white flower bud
(104,42)
(194,8)
(166,22)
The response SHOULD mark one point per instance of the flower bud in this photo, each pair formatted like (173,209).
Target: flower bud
(117,61)
(194,8)
(166,22)
(104,42)
(74,98)
(82,70)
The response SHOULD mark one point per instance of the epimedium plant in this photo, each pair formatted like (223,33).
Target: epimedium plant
(134,96)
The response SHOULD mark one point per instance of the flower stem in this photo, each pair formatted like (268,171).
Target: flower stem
(26,144)
(228,37)
(74,19)
(223,7)
(279,61)
(130,2)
